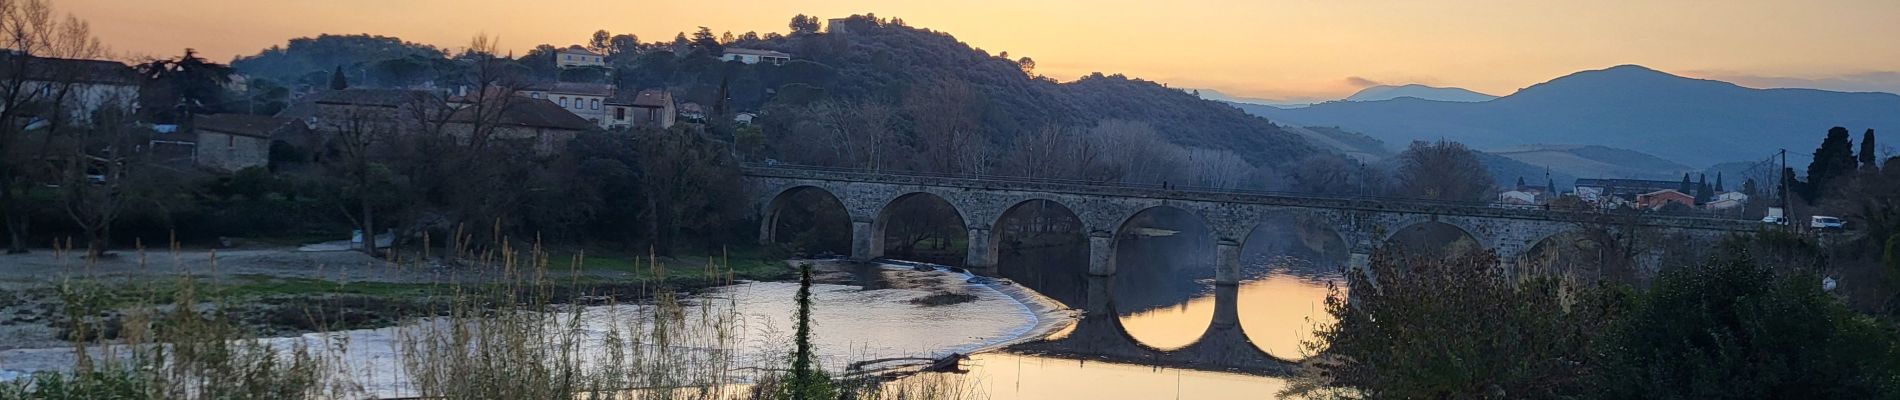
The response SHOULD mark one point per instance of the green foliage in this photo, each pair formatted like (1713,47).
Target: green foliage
(1736,329)
(807,381)
(96,384)
(306,55)
(1834,159)
(1458,328)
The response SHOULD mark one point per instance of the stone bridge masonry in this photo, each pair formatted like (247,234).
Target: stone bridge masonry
(1230,216)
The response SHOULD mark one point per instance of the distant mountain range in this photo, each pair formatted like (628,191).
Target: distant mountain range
(1685,121)
(1417,91)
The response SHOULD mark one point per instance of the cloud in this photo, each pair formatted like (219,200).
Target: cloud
(1874,81)
(1360,82)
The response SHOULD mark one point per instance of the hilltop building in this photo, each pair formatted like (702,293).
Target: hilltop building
(576,57)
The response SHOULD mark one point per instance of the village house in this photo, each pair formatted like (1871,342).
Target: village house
(645,109)
(1596,190)
(1518,198)
(755,56)
(81,87)
(231,142)
(540,124)
(575,56)
(1658,199)
(587,100)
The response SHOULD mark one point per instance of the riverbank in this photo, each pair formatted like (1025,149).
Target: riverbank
(283,291)
(903,315)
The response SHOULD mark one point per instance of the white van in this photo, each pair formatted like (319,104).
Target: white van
(1826,223)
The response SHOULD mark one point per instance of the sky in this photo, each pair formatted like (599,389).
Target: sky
(1278,50)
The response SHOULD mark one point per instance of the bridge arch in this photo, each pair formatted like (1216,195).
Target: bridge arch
(1427,228)
(1163,272)
(922,219)
(826,217)
(1041,244)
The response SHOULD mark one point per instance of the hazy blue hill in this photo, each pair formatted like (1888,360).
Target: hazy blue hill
(1506,170)
(1388,92)
(1689,121)
(1591,161)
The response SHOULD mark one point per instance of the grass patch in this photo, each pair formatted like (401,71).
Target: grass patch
(943,299)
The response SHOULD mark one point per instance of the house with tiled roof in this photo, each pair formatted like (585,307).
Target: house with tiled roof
(577,57)
(538,123)
(587,100)
(650,108)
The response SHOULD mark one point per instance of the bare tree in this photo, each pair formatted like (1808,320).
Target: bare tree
(32,34)
(355,133)
(1334,174)
(948,119)
(102,171)
(1442,170)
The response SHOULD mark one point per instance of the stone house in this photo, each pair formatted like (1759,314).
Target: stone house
(587,100)
(539,124)
(1658,199)
(647,109)
(231,142)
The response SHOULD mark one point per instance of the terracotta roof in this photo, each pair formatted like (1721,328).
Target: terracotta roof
(72,70)
(259,126)
(653,98)
(535,113)
(577,88)
(756,52)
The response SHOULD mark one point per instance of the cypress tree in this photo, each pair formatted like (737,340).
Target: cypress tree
(1718,181)
(1520,183)
(1702,192)
(1835,158)
(1868,160)
(337,81)
(1686,187)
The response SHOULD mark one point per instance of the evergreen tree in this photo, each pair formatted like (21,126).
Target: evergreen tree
(1686,187)
(1703,193)
(1868,159)
(1520,183)
(1750,188)
(1718,181)
(1835,158)
(337,81)
(802,24)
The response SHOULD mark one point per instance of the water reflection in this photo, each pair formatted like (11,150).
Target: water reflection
(1005,376)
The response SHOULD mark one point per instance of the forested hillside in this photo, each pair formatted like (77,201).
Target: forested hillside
(876,93)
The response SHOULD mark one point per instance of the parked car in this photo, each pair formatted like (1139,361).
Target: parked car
(1826,223)
(1774,219)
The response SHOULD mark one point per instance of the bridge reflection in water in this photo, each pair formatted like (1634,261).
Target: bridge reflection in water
(1223,344)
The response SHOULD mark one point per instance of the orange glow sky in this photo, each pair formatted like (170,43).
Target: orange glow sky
(1269,49)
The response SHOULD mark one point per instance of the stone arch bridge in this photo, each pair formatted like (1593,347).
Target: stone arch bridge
(1230,215)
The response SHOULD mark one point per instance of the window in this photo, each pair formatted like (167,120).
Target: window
(594,104)
(563,101)
(620,113)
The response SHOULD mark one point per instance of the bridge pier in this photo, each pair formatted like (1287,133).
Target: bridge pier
(1101,255)
(1226,262)
(866,242)
(981,256)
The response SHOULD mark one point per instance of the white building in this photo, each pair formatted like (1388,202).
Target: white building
(81,87)
(575,56)
(755,56)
